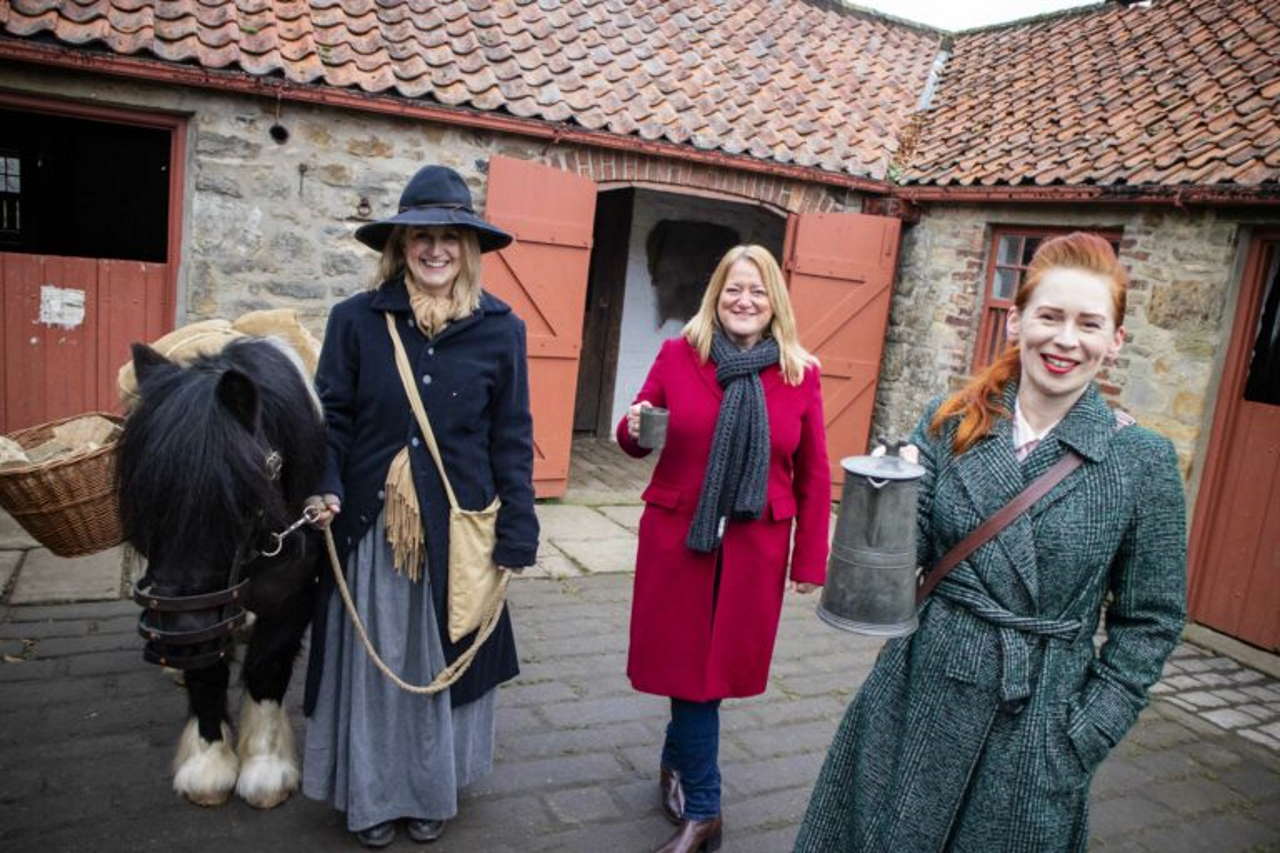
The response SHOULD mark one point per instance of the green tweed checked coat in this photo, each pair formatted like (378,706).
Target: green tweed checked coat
(982,730)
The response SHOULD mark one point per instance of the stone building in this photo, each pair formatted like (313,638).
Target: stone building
(174,160)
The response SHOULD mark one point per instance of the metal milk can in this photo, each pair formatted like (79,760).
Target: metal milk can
(871,575)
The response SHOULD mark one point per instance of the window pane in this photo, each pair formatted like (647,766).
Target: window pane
(1009,249)
(12,184)
(1029,249)
(1005,284)
(992,342)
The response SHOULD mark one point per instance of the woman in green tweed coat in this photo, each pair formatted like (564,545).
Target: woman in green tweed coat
(982,730)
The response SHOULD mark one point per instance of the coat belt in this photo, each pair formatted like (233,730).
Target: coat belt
(1014,632)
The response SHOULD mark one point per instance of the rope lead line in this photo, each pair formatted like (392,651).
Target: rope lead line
(451,673)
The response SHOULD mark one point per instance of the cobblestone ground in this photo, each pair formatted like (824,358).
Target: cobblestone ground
(1220,690)
(87,732)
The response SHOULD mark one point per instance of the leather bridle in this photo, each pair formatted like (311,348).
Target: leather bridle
(164,647)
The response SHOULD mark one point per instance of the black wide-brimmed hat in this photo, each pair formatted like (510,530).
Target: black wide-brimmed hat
(436,195)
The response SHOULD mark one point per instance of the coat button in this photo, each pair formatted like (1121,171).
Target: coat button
(431,350)
(426,379)
(414,441)
(382,496)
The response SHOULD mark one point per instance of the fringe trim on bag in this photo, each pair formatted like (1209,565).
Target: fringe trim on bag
(404,520)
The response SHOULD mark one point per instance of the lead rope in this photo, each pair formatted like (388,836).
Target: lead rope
(450,673)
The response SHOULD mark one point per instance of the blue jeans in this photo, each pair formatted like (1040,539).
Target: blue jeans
(692,749)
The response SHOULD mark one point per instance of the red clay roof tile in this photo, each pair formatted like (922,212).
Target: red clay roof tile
(1177,91)
(705,73)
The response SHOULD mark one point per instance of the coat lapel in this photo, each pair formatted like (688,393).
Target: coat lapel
(706,372)
(992,476)
(1087,430)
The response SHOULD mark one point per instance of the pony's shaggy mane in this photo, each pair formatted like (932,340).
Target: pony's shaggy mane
(193,477)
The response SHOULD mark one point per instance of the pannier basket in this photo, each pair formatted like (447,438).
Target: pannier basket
(67,502)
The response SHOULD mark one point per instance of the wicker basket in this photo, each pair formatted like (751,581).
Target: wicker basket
(68,503)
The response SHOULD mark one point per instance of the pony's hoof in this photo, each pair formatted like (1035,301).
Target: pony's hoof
(268,768)
(266,781)
(204,772)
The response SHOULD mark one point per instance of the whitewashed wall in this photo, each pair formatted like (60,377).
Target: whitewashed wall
(642,335)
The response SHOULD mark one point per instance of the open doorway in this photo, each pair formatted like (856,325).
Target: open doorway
(88,249)
(80,188)
(653,253)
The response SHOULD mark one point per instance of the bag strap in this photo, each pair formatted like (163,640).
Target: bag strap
(415,403)
(1002,518)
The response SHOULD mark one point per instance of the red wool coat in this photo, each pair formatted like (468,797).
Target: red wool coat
(687,639)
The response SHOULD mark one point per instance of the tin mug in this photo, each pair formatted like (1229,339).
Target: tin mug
(653,427)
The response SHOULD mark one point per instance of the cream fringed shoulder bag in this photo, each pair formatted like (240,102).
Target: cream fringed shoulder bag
(477,587)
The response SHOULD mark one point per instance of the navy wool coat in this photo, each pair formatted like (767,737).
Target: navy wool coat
(473,379)
(983,729)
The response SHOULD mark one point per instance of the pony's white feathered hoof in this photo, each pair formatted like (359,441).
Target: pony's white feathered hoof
(204,772)
(268,765)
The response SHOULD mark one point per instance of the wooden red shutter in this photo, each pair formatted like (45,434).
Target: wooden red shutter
(59,363)
(543,277)
(840,270)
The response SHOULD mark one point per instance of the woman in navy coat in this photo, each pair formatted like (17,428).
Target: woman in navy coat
(373,751)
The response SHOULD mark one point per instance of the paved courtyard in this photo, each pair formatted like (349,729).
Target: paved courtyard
(87,729)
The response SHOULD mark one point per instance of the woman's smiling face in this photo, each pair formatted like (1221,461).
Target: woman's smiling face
(433,255)
(1066,330)
(743,307)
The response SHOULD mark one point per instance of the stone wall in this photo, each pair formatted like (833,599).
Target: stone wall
(1182,269)
(270,224)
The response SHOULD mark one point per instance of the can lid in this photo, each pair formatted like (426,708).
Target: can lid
(882,467)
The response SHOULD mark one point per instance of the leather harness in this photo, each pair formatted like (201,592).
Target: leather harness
(163,647)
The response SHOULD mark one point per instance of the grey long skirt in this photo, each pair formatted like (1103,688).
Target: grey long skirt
(373,750)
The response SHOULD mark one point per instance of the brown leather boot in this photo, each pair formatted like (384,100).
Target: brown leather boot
(695,836)
(671,795)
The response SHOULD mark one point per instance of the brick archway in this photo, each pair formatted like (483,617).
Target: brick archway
(781,195)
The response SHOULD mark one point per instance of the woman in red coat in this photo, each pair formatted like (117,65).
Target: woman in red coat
(744,462)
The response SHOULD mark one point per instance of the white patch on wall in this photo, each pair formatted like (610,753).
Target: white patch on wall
(61,306)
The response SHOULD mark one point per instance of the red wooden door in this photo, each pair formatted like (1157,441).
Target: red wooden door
(840,271)
(1235,537)
(543,276)
(68,324)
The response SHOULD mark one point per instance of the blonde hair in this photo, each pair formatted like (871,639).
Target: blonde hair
(701,328)
(465,297)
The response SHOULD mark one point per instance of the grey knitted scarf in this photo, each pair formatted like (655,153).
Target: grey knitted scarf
(738,469)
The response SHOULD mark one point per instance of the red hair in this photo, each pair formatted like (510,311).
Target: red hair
(981,401)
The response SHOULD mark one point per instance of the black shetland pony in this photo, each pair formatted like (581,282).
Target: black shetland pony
(215,458)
